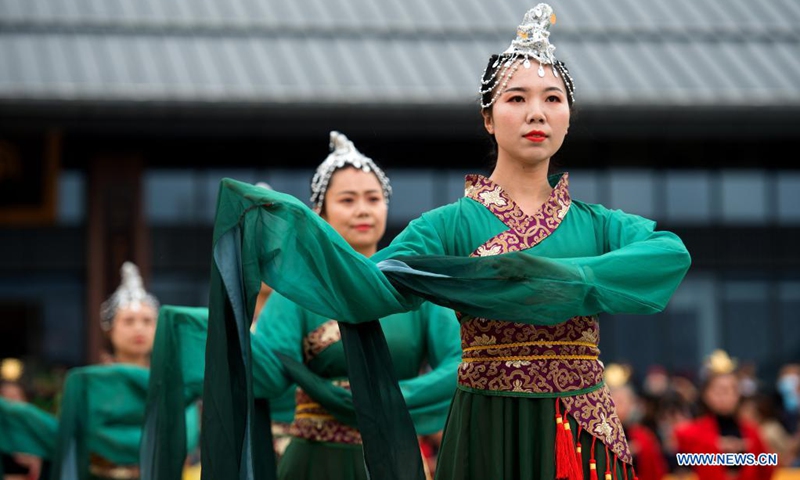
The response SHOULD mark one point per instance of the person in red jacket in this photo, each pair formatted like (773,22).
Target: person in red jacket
(718,430)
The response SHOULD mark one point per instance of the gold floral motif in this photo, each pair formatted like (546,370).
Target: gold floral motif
(518,363)
(320,338)
(493,197)
(603,429)
(483,340)
(484,251)
(590,336)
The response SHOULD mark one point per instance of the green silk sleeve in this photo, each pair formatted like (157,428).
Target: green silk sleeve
(295,251)
(24,428)
(428,396)
(177,367)
(638,275)
(279,329)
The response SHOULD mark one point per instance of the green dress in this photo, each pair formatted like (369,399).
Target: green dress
(324,447)
(100,423)
(528,288)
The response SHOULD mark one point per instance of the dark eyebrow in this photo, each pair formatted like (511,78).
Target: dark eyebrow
(351,192)
(525,89)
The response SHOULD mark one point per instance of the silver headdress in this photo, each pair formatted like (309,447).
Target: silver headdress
(129,294)
(344,153)
(531,43)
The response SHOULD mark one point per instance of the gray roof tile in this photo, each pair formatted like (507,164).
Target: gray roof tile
(682,52)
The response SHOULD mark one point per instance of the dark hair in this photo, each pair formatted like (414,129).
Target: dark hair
(486,97)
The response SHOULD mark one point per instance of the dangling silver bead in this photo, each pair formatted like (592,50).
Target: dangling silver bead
(527,63)
(541,70)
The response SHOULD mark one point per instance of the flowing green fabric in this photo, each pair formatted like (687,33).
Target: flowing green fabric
(24,428)
(177,370)
(176,380)
(236,439)
(597,261)
(292,249)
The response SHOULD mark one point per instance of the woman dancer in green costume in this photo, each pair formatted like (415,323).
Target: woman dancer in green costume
(351,193)
(528,267)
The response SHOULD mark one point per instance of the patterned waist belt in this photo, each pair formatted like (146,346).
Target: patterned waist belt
(542,368)
(101,467)
(312,422)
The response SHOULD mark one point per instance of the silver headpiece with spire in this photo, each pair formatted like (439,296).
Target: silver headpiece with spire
(129,294)
(344,153)
(531,43)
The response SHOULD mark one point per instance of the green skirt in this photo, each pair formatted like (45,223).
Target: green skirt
(493,437)
(307,460)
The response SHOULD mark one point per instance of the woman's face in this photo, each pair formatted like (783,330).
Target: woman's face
(722,394)
(355,207)
(530,118)
(132,331)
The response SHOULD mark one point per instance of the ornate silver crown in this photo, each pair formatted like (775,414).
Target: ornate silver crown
(344,153)
(129,294)
(531,43)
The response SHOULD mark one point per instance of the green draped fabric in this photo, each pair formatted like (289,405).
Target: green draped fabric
(597,261)
(176,381)
(236,440)
(24,428)
(177,370)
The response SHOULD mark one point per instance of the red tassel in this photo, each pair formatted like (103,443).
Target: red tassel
(608,466)
(578,456)
(615,467)
(575,469)
(625,470)
(563,448)
(592,462)
(633,471)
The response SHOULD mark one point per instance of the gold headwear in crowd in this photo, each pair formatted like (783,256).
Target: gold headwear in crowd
(616,375)
(718,363)
(11,369)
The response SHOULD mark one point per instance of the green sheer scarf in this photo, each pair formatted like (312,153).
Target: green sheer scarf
(177,368)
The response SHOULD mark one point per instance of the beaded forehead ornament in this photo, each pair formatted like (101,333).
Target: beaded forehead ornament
(532,42)
(344,153)
(129,294)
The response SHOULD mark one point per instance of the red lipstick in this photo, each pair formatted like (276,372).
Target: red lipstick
(536,136)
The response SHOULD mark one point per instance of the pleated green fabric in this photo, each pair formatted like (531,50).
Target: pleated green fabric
(491,437)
